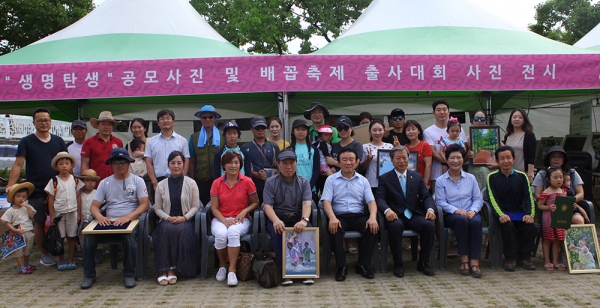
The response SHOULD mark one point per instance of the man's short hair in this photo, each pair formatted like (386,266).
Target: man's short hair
(347,149)
(40,110)
(164,112)
(439,102)
(505,148)
(455,148)
(399,148)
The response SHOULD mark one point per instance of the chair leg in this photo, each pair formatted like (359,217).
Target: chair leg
(204,261)
(444,249)
(326,259)
(114,256)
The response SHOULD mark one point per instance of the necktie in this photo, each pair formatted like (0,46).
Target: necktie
(407,212)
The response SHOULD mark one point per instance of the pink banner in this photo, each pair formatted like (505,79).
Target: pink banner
(298,73)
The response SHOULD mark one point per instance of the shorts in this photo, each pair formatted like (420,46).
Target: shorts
(68,224)
(37,201)
(25,251)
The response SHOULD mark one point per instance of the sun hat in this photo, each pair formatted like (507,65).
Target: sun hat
(105,116)
(119,154)
(59,156)
(207,108)
(553,149)
(16,187)
(313,107)
(89,174)
(325,129)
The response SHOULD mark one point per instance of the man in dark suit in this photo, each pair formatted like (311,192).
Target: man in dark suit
(403,198)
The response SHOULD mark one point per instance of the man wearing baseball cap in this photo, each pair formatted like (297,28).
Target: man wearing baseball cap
(262,154)
(126,199)
(287,203)
(317,113)
(96,149)
(395,135)
(78,130)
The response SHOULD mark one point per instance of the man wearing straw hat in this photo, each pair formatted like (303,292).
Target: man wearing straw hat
(36,152)
(96,149)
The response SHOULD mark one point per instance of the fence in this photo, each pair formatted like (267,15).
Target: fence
(16,128)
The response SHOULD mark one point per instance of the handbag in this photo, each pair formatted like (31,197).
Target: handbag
(265,269)
(244,266)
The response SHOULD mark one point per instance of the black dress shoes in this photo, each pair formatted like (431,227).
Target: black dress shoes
(424,267)
(399,271)
(341,273)
(364,271)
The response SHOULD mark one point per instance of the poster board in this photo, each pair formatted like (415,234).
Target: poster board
(580,120)
(361,133)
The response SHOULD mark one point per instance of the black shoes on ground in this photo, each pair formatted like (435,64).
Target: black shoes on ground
(364,271)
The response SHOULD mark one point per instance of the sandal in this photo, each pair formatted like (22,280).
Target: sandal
(549,266)
(476,271)
(172,279)
(352,250)
(560,266)
(465,271)
(163,280)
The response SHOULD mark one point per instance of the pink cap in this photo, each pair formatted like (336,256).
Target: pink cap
(325,129)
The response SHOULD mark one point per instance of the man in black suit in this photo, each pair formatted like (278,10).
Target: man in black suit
(403,198)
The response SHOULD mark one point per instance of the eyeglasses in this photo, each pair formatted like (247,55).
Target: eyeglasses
(317,111)
(236,152)
(119,162)
(398,118)
(165,119)
(260,128)
(45,121)
(210,117)
(342,128)
(478,119)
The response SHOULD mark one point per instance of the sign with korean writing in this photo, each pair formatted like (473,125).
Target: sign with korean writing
(581,118)
(298,73)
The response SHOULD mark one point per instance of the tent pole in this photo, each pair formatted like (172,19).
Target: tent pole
(489,110)
(283,114)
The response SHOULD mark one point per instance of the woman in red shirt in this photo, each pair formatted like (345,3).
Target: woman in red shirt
(230,195)
(414,133)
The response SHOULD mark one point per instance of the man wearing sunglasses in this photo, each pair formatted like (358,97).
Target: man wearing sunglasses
(395,136)
(262,154)
(317,113)
(202,147)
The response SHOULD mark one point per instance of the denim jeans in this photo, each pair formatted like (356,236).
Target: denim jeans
(127,241)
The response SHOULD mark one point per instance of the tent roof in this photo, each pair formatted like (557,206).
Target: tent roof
(438,27)
(591,40)
(129,30)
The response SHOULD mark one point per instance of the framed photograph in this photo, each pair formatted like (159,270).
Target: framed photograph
(384,162)
(301,253)
(542,149)
(270,172)
(581,244)
(413,161)
(484,140)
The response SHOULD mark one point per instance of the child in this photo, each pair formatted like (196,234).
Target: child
(586,258)
(324,146)
(552,236)
(21,215)
(306,252)
(85,198)
(138,167)
(453,129)
(293,254)
(62,193)
(569,192)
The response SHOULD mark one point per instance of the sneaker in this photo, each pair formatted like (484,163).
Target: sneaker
(25,270)
(78,255)
(71,266)
(62,266)
(31,267)
(308,281)
(98,258)
(232,279)
(87,282)
(47,260)
(286,282)
(221,274)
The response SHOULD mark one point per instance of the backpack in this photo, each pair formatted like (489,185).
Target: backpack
(265,269)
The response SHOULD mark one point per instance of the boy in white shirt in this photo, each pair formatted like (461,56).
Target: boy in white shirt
(19,219)
(62,193)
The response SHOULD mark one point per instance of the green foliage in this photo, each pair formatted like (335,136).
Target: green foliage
(23,22)
(565,21)
(268,26)
(487,141)
(5,173)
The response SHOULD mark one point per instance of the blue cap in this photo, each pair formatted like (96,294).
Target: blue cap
(207,108)
(119,154)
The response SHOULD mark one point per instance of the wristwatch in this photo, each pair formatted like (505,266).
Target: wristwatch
(306,219)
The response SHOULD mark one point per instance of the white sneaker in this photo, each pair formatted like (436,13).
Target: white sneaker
(221,274)
(231,279)
(285,282)
(308,281)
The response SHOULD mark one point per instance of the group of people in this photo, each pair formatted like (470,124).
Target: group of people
(322,163)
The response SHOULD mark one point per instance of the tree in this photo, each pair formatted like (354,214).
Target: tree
(565,21)
(23,22)
(268,26)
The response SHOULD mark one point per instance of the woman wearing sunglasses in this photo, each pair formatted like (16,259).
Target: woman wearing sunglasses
(345,130)
(480,172)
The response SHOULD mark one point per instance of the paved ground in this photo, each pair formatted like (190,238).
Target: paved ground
(50,288)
